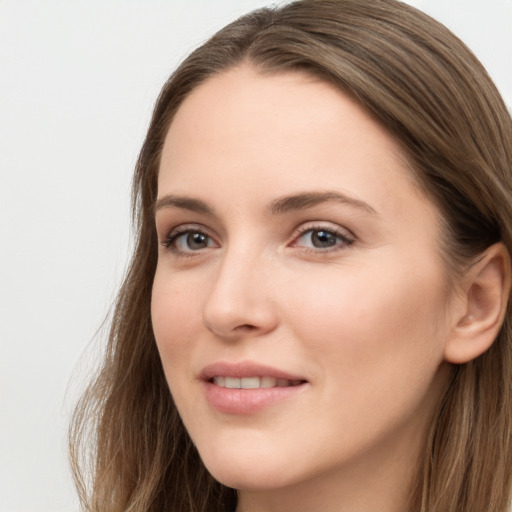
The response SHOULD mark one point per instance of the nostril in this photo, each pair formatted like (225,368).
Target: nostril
(245,327)
(230,316)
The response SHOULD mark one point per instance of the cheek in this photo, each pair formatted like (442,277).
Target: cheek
(377,350)
(175,310)
(371,322)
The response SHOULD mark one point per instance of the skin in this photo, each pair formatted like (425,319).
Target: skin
(364,322)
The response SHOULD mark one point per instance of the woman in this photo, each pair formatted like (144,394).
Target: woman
(321,277)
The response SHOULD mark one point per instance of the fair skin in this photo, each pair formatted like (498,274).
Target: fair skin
(295,245)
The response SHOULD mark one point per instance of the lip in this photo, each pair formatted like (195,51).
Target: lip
(245,369)
(247,401)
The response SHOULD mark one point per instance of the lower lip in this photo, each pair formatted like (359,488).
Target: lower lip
(247,401)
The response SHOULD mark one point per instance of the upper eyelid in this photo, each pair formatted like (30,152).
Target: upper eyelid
(182,229)
(297,232)
(188,227)
(304,227)
(175,234)
(346,236)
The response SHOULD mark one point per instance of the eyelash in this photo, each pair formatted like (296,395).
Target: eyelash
(346,240)
(175,234)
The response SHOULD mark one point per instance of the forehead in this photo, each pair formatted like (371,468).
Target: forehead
(263,133)
(236,104)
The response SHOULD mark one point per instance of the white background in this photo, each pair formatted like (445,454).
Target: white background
(78,79)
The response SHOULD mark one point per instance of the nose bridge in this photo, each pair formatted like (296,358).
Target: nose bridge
(240,296)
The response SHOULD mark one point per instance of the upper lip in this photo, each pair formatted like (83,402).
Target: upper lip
(245,369)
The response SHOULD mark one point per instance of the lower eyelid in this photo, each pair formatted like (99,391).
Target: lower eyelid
(345,238)
(169,241)
(176,231)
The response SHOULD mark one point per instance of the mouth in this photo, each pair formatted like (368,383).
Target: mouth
(253,382)
(246,388)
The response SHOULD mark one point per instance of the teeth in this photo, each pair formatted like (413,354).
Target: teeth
(268,382)
(220,381)
(233,383)
(250,382)
(253,382)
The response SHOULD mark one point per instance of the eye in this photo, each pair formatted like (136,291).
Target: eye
(322,239)
(187,240)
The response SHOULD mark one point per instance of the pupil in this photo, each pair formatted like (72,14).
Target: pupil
(323,239)
(196,241)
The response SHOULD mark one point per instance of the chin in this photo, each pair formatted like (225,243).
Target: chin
(248,472)
(250,479)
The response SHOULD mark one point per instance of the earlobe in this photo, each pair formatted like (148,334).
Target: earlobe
(486,293)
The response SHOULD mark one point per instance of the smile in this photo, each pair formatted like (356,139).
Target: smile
(247,387)
(253,382)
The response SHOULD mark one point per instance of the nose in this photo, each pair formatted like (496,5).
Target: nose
(240,301)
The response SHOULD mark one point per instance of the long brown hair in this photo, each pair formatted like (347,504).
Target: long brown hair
(422,83)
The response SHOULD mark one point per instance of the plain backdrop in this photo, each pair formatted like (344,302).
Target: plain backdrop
(78,80)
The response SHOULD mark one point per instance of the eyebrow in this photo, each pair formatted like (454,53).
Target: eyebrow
(281,205)
(183,203)
(306,200)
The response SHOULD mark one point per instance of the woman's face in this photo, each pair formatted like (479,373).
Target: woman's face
(298,305)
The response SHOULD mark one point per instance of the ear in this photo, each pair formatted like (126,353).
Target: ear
(486,290)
